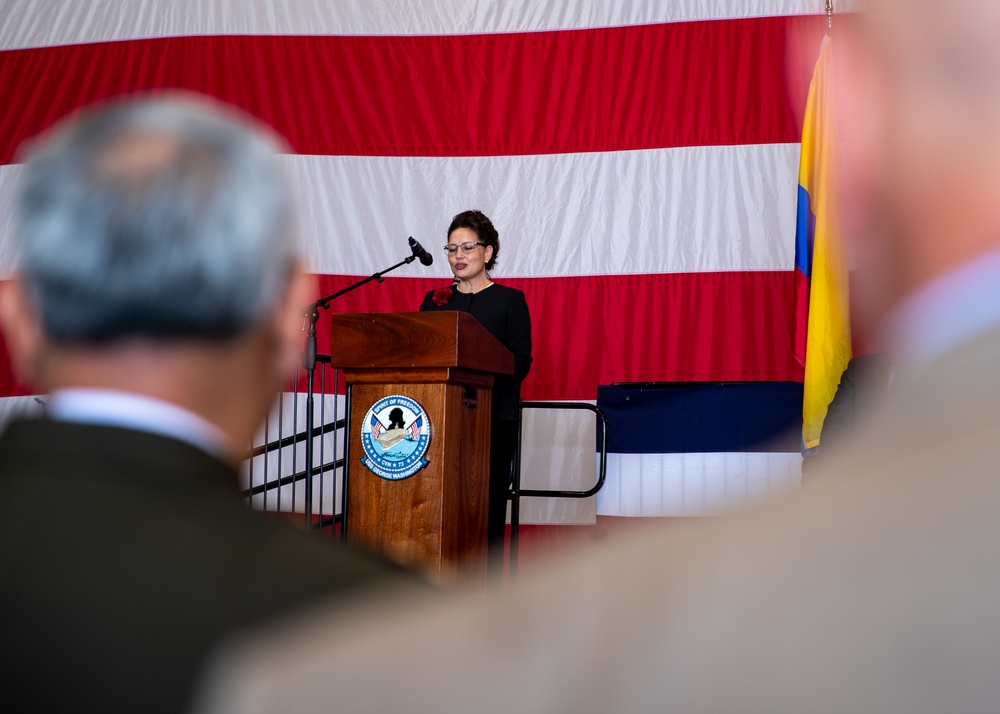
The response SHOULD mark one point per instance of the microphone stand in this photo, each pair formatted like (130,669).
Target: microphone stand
(309,365)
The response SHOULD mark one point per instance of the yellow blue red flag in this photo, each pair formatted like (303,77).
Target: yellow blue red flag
(823,329)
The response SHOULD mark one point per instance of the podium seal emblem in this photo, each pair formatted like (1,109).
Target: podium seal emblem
(395,435)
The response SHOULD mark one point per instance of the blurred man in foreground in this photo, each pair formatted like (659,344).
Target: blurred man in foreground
(157,300)
(875,589)
(863,385)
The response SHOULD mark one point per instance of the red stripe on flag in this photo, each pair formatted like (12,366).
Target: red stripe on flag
(598,330)
(9,386)
(652,86)
(620,328)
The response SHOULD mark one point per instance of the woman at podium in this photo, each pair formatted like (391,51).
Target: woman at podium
(473,247)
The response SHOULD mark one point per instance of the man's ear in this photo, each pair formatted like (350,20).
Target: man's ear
(289,316)
(22,331)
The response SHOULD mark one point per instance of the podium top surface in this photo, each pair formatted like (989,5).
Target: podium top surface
(377,340)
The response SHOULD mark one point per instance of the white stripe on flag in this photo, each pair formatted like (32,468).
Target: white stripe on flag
(65,22)
(695,484)
(20,407)
(684,210)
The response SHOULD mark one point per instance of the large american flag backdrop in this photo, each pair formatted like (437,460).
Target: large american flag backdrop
(638,157)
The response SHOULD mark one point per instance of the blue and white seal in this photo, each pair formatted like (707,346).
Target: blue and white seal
(395,435)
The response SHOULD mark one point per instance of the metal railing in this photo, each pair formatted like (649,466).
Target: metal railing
(517,493)
(282,472)
(279,453)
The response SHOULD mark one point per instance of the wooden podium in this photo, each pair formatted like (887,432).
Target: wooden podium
(435,369)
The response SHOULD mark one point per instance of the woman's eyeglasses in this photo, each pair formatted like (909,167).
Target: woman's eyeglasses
(464,247)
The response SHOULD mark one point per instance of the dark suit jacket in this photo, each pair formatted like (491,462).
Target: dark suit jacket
(125,556)
(863,384)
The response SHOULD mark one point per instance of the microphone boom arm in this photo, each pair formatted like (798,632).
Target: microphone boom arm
(309,365)
(325,302)
(416,249)
(311,314)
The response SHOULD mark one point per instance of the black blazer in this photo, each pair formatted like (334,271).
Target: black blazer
(863,384)
(125,556)
(504,312)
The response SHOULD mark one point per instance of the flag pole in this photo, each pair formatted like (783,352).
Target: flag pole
(829,17)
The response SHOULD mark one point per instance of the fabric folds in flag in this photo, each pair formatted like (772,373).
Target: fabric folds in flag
(823,330)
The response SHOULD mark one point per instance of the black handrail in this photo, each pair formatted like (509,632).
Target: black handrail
(291,478)
(328,521)
(294,439)
(308,437)
(517,493)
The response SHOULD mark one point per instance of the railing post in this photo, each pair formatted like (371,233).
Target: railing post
(515,501)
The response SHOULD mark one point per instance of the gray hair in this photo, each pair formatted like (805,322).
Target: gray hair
(155,218)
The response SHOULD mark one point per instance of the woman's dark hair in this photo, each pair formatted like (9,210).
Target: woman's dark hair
(480,224)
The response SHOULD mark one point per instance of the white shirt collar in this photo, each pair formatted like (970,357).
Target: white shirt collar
(947,313)
(107,407)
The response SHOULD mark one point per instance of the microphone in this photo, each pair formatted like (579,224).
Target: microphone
(420,253)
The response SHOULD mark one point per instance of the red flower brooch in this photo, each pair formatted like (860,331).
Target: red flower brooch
(441,296)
